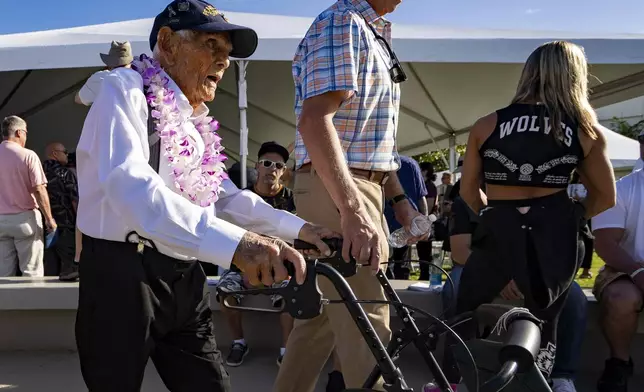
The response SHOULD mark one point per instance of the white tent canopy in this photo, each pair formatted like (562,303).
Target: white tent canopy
(623,151)
(455,76)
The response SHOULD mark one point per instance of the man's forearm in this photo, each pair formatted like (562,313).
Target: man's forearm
(42,198)
(393,187)
(321,140)
(616,257)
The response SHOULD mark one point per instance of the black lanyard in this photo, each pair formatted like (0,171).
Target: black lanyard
(396,72)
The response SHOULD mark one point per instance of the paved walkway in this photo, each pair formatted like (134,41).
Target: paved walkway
(59,372)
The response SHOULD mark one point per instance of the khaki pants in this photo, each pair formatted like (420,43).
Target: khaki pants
(21,244)
(312,341)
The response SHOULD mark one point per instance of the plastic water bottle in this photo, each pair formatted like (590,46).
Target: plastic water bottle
(419,225)
(436,280)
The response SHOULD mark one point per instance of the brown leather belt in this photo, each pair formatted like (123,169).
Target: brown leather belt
(377,177)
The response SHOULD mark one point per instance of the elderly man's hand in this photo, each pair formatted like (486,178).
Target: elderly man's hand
(314,234)
(262,259)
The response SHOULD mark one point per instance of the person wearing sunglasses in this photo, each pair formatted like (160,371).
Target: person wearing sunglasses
(271,166)
(62,187)
(23,191)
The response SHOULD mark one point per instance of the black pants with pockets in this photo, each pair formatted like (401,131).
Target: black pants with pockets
(538,250)
(59,258)
(137,306)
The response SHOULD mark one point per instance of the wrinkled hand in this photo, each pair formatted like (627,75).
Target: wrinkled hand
(405,214)
(511,292)
(362,239)
(262,259)
(314,234)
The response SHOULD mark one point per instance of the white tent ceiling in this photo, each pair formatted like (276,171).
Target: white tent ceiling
(455,76)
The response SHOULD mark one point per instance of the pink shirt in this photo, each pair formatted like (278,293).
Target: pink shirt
(21,171)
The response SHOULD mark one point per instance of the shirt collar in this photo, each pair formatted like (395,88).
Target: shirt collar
(368,13)
(183,104)
(51,164)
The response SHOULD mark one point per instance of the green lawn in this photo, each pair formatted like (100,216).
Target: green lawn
(584,283)
(597,264)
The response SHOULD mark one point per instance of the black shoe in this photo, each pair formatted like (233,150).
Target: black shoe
(615,376)
(335,382)
(70,274)
(237,354)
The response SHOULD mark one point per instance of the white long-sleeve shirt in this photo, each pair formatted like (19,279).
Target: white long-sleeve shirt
(92,87)
(120,192)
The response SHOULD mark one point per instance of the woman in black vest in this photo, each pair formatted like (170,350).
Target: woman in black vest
(525,153)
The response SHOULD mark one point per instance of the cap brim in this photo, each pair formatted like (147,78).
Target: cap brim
(244,39)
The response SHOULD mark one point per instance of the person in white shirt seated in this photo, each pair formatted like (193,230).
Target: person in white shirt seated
(119,56)
(619,287)
(154,201)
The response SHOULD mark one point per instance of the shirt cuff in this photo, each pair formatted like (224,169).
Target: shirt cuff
(219,243)
(290,226)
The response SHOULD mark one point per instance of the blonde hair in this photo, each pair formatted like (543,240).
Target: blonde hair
(556,75)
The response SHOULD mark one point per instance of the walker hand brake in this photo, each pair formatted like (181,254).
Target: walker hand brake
(300,301)
(346,269)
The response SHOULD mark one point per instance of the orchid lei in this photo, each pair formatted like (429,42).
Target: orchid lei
(196,178)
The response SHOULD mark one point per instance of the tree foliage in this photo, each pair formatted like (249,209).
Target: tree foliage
(623,127)
(435,157)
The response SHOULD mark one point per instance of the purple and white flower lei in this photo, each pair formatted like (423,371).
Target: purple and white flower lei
(196,178)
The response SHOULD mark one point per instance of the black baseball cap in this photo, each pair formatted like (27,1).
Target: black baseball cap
(198,15)
(273,147)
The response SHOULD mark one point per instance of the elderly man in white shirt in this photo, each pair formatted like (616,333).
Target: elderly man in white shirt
(152,197)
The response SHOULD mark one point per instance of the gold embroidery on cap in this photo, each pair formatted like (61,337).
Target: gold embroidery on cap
(210,11)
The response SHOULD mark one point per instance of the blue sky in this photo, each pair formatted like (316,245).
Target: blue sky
(616,16)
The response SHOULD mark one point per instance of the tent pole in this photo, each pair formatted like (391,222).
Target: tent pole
(15,89)
(243,125)
(452,153)
(436,143)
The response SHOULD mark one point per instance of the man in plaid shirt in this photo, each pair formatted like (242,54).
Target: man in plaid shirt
(347,105)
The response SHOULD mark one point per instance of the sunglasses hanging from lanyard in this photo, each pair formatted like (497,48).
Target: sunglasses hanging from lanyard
(396,72)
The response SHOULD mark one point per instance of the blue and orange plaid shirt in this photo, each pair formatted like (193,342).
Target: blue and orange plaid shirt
(340,53)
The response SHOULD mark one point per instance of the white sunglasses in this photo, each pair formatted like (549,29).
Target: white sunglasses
(269,164)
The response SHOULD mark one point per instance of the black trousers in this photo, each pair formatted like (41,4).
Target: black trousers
(400,271)
(589,243)
(424,249)
(137,306)
(538,250)
(60,256)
